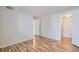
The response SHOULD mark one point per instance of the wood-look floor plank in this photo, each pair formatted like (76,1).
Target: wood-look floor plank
(42,45)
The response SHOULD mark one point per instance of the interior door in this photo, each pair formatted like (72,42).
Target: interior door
(36,28)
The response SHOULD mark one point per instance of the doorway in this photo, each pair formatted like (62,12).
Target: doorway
(36,30)
(66,31)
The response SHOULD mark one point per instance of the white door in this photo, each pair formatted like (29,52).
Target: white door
(36,29)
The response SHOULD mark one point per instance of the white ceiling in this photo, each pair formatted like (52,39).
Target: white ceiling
(40,10)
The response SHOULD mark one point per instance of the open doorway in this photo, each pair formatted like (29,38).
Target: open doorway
(66,31)
(36,30)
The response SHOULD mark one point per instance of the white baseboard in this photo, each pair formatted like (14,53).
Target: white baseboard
(68,36)
(11,43)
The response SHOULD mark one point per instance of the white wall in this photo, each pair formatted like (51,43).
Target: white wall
(50,26)
(25,25)
(14,27)
(75,28)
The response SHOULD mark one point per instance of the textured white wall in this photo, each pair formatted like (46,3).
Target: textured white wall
(14,27)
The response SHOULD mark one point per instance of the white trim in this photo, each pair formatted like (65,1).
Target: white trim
(17,42)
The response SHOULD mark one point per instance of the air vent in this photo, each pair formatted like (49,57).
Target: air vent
(9,7)
(34,17)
